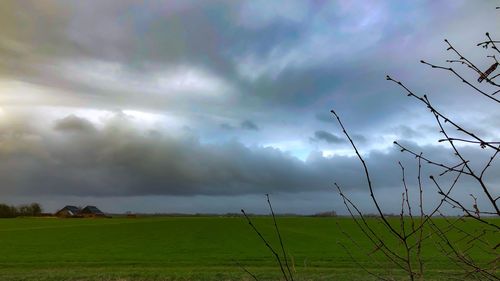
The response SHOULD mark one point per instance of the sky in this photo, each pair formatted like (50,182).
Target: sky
(205,106)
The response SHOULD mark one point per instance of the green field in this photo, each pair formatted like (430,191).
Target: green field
(193,248)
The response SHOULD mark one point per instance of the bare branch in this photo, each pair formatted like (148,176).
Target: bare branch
(276,256)
(246,270)
(433,110)
(490,96)
(367,175)
(279,237)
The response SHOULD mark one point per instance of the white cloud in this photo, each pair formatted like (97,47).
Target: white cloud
(189,80)
(16,92)
(179,81)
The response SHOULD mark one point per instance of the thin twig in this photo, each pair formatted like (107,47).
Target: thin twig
(367,175)
(276,256)
(246,270)
(279,237)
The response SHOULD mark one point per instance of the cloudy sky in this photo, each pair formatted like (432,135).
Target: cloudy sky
(205,106)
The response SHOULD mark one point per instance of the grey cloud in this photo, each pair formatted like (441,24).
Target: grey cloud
(359,138)
(44,37)
(74,123)
(325,117)
(245,125)
(406,132)
(118,160)
(249,125)
(226,126)
(328,137)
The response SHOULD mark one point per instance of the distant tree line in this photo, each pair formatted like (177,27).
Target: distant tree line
(325,214)
(33,209)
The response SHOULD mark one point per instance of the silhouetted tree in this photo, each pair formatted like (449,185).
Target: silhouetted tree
(36,209)
(6,211)
(416,226)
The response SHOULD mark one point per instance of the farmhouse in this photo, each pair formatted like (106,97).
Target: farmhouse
(75,212)
(92,212)
(69,212)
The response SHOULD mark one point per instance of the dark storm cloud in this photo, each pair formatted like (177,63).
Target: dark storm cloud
(249,125)
(119,160)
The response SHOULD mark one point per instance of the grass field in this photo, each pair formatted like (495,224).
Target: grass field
(189,248)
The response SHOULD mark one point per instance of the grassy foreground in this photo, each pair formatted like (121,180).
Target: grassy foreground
(190,248)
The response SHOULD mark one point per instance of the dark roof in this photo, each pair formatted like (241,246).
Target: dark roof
(91,210)
(73,209)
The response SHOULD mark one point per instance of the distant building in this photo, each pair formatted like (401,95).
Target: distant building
(69,212)
(91,212)
(75,212)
